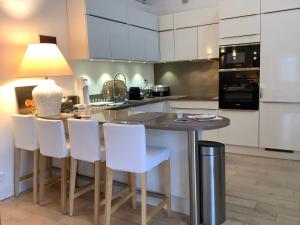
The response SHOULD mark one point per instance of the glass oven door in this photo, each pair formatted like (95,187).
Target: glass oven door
(239,90)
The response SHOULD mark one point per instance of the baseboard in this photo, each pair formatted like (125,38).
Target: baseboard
(242,150)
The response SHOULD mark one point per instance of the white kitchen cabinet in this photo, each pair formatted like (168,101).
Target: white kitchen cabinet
(280,57)
(143,19)
(119,41)
(105,9)
(208,41)
(278,5)
(137,43)
(239,8)
(152,53)
(186,42)
(98,38)
(237,27)
(167,46)
(195,18)
(166,22)
(243,129)
(280,126)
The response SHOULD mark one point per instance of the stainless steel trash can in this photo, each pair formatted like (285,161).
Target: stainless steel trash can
(212,182)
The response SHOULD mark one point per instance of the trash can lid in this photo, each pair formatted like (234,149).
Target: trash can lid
(210,148)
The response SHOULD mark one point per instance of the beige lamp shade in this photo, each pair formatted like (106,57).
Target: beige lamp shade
(44,60)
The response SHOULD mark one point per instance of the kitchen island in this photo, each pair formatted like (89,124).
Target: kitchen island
(181,139)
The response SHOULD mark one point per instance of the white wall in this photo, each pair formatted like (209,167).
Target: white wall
(100,72)
(20,23)
(162,7)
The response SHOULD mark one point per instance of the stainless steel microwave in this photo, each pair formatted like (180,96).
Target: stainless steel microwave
(237,57)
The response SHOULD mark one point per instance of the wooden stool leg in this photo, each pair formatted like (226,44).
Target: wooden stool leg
(35,175)
(108,194)
(49,166)
(168,185)
(17,159)
(144,198)
(97,193)
(42,165)
(72,185)
(64,185)
(132,186)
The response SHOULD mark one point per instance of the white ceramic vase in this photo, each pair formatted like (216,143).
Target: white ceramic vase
(47,97)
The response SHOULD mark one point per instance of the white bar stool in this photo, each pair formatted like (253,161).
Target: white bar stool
(25,139)
(85,146)
(126,150)
(51,136)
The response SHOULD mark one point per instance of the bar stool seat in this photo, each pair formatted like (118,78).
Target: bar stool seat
(25,138)
(51,136)
(126,150)
(85,146)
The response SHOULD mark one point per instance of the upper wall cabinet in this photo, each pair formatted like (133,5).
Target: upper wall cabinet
(240,30)
(104,8)
(196,18)
(208,41)
(167,46)
(166,22)
(186,44)
(278,5)
(100,29)
(239,8)
(143,19)
(144,44)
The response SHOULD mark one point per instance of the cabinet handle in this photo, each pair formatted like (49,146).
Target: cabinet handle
(261,92)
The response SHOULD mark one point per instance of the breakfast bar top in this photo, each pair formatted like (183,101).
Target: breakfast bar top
(157,120)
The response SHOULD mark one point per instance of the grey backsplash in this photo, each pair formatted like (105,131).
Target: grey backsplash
(194,79)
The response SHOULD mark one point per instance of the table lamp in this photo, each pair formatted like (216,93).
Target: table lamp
(45,60)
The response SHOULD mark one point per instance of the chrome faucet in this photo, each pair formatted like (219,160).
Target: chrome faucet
(114,92)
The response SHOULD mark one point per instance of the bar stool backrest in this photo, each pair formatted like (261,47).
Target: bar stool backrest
(125,147)
(51,136)
(85,140)
(25,134)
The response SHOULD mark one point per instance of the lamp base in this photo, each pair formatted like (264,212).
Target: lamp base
(47,97)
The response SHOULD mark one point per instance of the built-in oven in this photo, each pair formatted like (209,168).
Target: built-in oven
(239,77)
(239,90)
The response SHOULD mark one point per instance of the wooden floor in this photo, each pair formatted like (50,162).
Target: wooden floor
(260,191)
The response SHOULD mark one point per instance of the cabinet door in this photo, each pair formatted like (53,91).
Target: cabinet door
(107,9)
(186,44)
(119,36)
(151,46)
(208,41)
(243,129)
(238,8)
(278,5)
(137,43)
(98,38)
(243,26)
(167,46)
(166,22)
(280,57)
(207,135)
(140,18)
(280,126)
(198,17)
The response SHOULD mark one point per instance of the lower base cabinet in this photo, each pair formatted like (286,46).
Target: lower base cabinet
(280,126)
(243,129)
